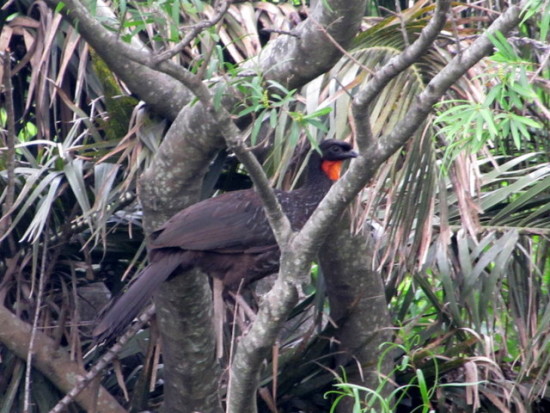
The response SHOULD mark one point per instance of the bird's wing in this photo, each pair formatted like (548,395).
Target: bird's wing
(231,223)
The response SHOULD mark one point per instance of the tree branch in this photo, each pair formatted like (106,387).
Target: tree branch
(295,260)
(290,60)
(277,219)
(163,94)
(196,29)
(396,65)
(103,362)
(10,140)
(358,307)
(297,59)
(92,29)
(254,347)
(221,124)
(364,167)
(53,362)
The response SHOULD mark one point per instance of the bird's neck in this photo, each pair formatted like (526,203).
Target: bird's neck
(317,175)
(306,198)
(316,179)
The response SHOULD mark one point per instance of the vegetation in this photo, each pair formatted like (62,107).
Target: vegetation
(432,293)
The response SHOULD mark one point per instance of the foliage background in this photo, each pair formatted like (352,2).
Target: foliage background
(457,221)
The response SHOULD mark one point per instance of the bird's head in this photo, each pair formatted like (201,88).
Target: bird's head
(333,154)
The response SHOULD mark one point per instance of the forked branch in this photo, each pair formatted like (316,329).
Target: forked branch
(296,260)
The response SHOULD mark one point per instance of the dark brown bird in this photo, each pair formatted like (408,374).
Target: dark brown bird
(228,237)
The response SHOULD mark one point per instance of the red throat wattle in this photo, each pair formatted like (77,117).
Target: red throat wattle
(332,169)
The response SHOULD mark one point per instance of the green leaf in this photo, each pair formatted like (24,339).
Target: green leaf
(487,116)
(248,110)
(317,125)
(273,118)
(503,46)
(318,113)
(256,129)
(59,6)
(494,94)
(515,134)
(540,188)
(122,6)
(527,121)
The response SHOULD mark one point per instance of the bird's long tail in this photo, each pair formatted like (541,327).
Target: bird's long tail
(120,312)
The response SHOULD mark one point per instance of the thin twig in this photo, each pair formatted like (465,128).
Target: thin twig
(222,119)
(402,24)
(208,54)
(196,29)
(279,31)
(339,47)
(530,231)
(6,6)
(39,297)
(456,34)
(103,361)
(395,66)
(10,143)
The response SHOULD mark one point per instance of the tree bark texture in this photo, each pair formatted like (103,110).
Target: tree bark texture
(192,377)
(294,61)
(164,94)
(297,255)
(174,178)
(53,362)
(173,181)
(358,307)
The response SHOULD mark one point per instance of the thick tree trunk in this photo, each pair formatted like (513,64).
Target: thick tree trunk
(175,177)
(358,306)
(189,350)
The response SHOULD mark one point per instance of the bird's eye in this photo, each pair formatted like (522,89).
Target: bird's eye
(336,149)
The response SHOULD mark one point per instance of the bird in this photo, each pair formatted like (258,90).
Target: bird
(228,237)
